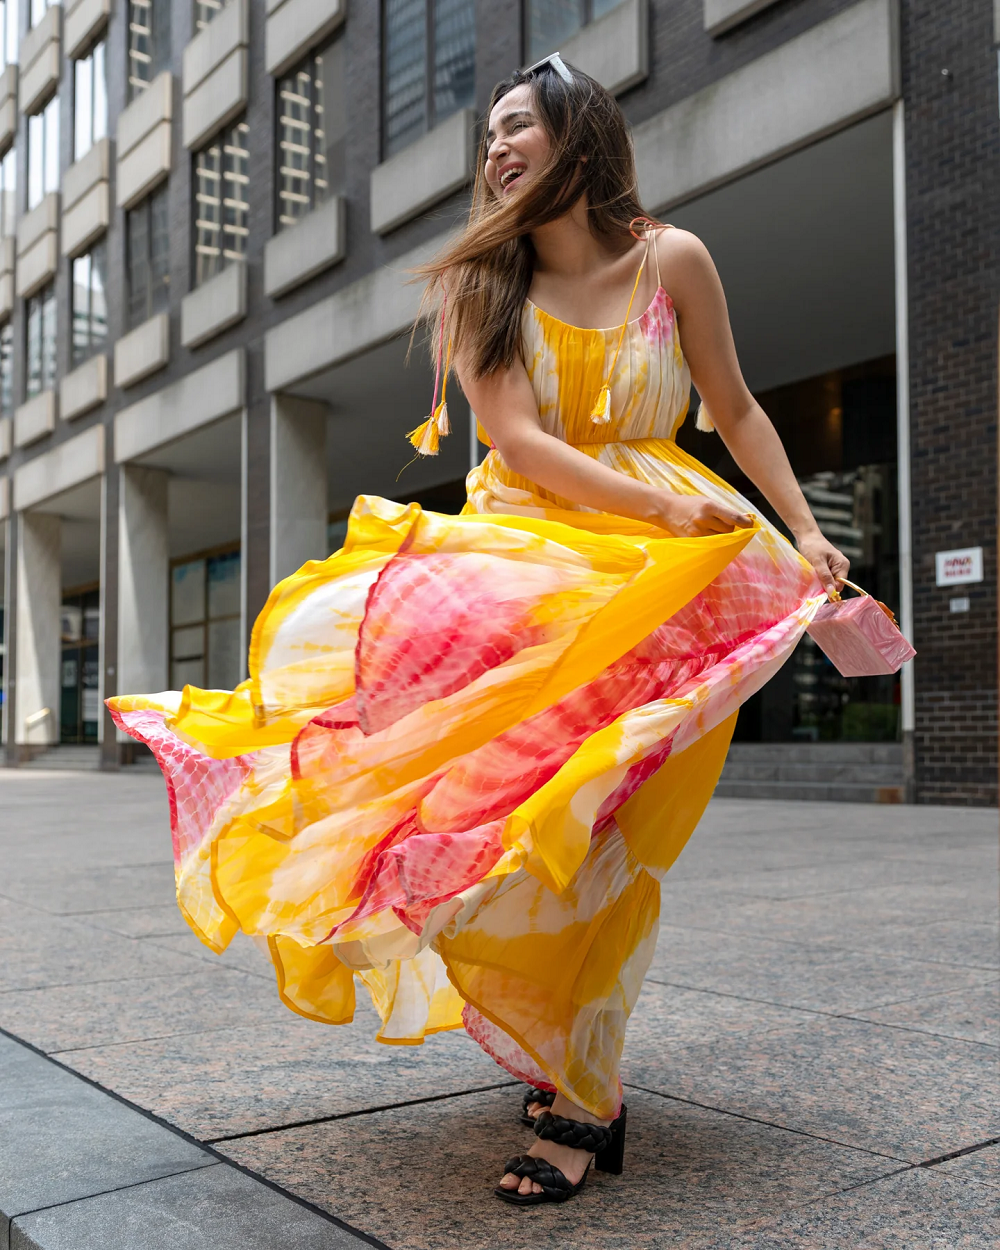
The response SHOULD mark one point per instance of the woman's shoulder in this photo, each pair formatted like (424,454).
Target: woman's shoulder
(671,242)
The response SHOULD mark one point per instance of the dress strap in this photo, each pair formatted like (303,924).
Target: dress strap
(601,412)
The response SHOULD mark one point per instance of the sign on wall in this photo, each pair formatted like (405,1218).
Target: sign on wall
(955,567)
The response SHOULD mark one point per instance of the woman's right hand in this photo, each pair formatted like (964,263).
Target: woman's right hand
(694,516)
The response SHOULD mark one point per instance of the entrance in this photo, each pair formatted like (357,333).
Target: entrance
(79,702)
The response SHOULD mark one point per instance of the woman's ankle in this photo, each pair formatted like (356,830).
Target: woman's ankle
(570,1110)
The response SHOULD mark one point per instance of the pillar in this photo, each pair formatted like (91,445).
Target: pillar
(298,484)
(38,634)
(143,581)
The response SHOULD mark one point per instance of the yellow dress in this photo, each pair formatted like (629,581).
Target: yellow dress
(470,747)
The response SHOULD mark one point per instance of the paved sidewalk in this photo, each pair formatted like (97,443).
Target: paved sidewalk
(812,1063)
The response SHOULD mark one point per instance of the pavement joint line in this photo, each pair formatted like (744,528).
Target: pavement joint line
(959,1154)
(350,1115)
(103,1193)
(783,1128)
(838,1015)
(205,1146)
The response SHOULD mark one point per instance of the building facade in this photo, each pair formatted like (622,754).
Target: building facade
(209,212)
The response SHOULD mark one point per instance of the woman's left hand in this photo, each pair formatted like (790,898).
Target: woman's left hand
(829,563)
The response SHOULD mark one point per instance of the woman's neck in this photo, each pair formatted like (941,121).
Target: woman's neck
(567,247)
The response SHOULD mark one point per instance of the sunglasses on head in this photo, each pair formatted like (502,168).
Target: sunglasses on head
(553,61)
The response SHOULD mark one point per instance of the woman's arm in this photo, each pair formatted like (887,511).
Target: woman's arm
(505,405)
(741,422)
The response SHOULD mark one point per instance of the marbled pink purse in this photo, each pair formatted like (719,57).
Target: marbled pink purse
(860,636)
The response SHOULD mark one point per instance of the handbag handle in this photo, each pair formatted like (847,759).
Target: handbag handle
(853,585)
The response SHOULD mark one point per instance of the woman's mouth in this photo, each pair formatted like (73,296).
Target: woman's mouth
(510,175)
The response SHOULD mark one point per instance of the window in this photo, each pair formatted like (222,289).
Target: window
(312,129)
(205,11)
(549,22)
(148,43)
(80,627)
(41,319)
(36,11)
(8,32)
(90,306)
(8,194)
(220,203)
(147,242)
(6,369)
(429,72)
(205,622)
(90,101)
(43,153)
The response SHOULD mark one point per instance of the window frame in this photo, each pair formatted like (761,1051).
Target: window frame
(219,139)
(100,43)
(311,57)
(153,305)
(95,343)
(48,363)
(47,117)
(431,118)
(586,10)
(160,36)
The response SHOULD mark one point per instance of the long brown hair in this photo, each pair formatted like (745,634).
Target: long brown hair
(487,270)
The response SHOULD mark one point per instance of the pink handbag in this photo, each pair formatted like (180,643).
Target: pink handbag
(860,636)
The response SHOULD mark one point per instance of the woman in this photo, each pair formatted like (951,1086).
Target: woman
(470,747)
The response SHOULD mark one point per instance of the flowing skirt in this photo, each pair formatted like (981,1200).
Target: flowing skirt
(468,750)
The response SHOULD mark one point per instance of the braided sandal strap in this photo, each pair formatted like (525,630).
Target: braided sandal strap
(554,1184)
(544,1096)
(574,1133)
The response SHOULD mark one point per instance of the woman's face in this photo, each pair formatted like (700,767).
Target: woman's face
(518,144)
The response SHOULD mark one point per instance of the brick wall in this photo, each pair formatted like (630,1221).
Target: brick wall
(953,189)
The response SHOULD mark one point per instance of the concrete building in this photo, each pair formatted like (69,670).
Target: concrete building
(208,212)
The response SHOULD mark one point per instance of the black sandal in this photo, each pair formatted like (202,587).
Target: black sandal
(545,1096)
(606,1143)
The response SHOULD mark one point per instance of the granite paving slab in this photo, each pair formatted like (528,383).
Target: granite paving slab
(283,1072)
(241,952)
(915,1210)
(215,1208)
(66,1017)
(421,1177)
(971,1014)
(61,1139)
(981,1166)
(68,891)
(154,920)
(814,977)
(849,875)
(905,1094)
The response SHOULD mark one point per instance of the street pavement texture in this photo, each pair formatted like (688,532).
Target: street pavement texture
(812,1061)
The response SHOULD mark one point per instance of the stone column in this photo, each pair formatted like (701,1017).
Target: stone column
(298,484)
(143,581)
(38,635)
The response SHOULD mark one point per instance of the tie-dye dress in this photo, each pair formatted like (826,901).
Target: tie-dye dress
(470,747)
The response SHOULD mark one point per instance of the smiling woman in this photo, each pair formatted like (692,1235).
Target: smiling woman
(470,747)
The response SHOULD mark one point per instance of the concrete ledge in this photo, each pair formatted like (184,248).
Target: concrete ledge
(43,218)
(7,248)
(144,168)
(145,113)
(83,23)
(841,70)
(35,418)
(83,175)
(204,395)
(72,462)
(6,437)
(211,46)
(4,491)
(143,351)
(301,251)
(377,307)
(86,221)
(8,108)
(217,100)
(214,306)
(427,171)
(294,26)
(615,48)
(84,388)
(723,15)
(37,265)
(39,61)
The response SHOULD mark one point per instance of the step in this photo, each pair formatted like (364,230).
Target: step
(69,758)
(758,770)
(819,752)
(821,792)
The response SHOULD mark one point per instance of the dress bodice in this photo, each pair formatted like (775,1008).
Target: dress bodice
(568,365)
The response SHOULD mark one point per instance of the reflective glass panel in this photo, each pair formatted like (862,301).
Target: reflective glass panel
(405,106)
(550,22)
(221,202)
(454,56)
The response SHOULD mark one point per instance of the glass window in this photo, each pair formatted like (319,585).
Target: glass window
(147,262)
(221,205)
(80,706)
(430,48)
(205,11)
(6,368)
(36,11)
(148,42)
(8,32)
(90,307)
(205,622)
(43,153)
(8,194)
(550,22)
(312,129)
(41,330)
(90,100)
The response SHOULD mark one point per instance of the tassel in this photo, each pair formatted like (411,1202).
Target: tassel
(425,438)
(703,421)
(601,414)
(441,419)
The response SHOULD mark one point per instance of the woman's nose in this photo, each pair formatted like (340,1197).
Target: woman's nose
(497,150)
